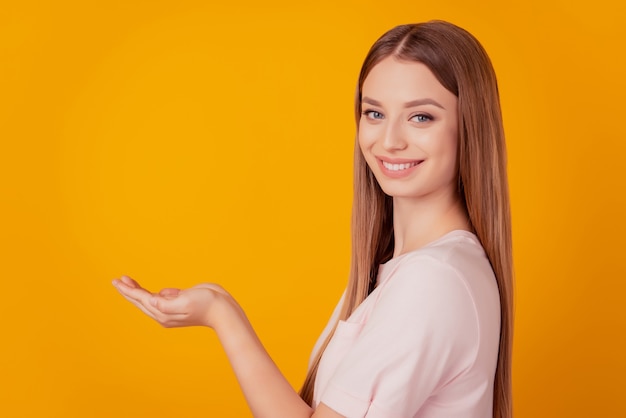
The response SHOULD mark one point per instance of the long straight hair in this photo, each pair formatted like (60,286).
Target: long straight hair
(462,66)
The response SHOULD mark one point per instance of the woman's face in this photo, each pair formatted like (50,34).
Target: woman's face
(408,130)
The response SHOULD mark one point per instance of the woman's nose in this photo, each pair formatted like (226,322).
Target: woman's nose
(394,139)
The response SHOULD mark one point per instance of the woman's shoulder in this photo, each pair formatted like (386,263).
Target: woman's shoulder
(458,250)
(453,268)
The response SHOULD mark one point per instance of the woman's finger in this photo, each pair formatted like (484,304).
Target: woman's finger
(173,306)
(140,307)
(137,293)
(166,320)
(139,297)
(169,292)
(129,282)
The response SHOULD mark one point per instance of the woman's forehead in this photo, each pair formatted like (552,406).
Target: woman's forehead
(401,81)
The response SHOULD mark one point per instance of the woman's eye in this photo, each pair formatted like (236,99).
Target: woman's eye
(421,118)
(372,114)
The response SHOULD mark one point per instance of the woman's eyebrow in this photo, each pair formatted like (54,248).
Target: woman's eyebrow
(412,103)
(371,101)
(424,101)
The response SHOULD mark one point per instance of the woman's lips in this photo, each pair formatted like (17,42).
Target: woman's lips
(398,168)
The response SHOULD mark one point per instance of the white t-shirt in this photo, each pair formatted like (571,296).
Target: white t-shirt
(423,344)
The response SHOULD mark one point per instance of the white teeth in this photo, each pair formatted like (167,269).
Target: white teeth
(398,167)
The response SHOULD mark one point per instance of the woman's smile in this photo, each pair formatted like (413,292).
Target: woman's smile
(396,168)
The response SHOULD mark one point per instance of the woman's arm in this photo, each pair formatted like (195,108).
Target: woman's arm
(266,390)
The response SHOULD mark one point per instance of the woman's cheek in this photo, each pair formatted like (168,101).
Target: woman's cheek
(367,136)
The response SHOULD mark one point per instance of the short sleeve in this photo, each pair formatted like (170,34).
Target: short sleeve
(421,334)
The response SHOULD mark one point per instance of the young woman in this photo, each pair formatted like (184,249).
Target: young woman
(424,328)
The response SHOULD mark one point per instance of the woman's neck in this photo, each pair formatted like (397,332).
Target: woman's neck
(419,221)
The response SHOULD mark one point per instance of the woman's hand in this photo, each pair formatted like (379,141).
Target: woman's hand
(267,391)
(198,305)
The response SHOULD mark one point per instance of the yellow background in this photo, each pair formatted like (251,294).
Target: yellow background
(189,141)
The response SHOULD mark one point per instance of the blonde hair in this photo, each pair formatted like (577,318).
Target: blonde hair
(462,66)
